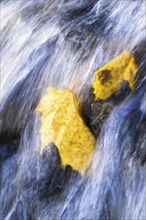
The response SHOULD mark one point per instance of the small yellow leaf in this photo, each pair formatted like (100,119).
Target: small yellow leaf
(108,78)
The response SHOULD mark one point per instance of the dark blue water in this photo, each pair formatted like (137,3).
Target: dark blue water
(61,44)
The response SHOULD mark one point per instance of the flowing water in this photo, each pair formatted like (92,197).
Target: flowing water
(61,43)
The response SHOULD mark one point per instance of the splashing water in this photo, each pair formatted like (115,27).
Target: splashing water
(61,44)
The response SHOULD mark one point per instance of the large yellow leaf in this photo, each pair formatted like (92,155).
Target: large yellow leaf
(62,125)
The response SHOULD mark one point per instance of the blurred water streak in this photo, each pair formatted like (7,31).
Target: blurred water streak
(61,43)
